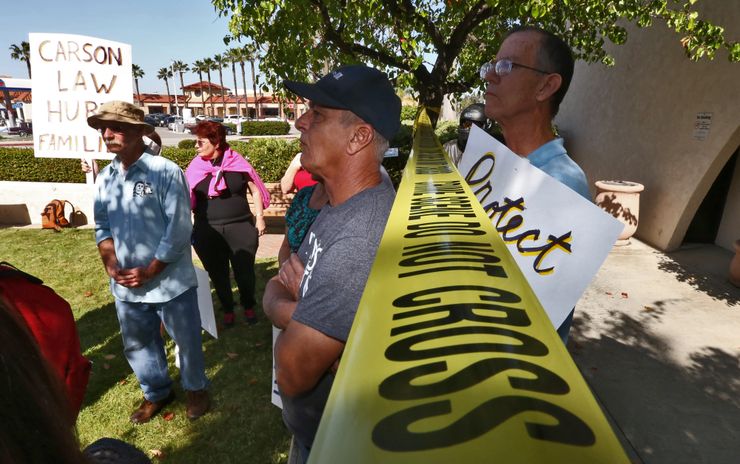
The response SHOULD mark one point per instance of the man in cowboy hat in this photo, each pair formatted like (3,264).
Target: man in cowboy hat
(142,228)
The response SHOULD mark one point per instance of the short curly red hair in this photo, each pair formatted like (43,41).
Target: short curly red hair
(214,132)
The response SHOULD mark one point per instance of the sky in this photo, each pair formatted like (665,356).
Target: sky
(158,31)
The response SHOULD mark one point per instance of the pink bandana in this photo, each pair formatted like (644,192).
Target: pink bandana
(199,169)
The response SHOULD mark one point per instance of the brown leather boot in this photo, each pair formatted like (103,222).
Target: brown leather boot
(149,409)
(198,403)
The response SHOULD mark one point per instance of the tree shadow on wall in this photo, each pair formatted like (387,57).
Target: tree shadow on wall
(669,412)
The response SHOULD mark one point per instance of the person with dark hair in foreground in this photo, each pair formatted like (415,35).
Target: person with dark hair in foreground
(526,83)
(36,427)
(225,229)
(36,424)
(49,318)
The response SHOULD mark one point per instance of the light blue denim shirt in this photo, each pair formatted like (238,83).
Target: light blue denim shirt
(554,160)
(147,214)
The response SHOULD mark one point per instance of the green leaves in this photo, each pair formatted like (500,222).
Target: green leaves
(302,38)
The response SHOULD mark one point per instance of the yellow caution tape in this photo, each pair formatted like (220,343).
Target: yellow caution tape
(451,358)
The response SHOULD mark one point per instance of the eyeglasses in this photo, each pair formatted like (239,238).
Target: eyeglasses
(201,142)
(117,128)
(504,67)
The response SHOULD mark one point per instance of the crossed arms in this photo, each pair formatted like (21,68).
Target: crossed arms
(302,354)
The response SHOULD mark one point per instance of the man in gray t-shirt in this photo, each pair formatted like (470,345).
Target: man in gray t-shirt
(353,112)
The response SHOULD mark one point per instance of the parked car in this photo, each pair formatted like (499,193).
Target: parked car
(235,119)
(149,119)
(23,128)
(170,121)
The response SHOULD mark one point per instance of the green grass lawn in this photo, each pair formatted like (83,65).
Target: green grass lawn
(243,427)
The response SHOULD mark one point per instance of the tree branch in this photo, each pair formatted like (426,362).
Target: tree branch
(333,36)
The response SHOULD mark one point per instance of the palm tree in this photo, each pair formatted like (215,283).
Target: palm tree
(210,64)
(179,67)
(242,56)
(220,62)
(164,74)
(253,54)
(199,67)
(22,53)
(138,73)
(234,55)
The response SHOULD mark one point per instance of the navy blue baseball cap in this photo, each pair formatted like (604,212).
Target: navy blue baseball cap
(360,89)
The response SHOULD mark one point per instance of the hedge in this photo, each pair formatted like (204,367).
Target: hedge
(262,127)
(269,156)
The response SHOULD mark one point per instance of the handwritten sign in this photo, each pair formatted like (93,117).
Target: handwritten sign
(557,238)
(72,76)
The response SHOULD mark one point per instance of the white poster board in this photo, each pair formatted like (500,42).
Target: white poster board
(274,393)
(72,75)
(557,238)
(205,302)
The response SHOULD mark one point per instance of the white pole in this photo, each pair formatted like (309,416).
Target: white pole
(177,106)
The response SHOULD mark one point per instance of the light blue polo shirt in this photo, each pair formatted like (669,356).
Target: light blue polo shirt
(554,160)
(146,212)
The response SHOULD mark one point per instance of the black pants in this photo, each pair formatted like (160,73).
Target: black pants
(219,245)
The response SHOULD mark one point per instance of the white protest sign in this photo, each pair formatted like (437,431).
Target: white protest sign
(71,76)
(274,393)
(205,302)
(557,238)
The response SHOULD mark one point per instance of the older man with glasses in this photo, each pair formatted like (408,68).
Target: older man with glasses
(526,83)
(142,228)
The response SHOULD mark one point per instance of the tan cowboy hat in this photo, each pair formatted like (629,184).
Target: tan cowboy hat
(121,112)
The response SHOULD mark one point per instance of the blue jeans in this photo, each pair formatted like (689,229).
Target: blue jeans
(144,348)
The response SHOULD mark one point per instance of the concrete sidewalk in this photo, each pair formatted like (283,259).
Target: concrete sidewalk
(657,337)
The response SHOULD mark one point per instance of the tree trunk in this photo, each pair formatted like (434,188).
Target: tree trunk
(202,96)
(138,94)
(254,89)
(182,89)
(210,93)
(431,99)
(236,90)
(169,98)
(223,94)
(28,65)
(244,83)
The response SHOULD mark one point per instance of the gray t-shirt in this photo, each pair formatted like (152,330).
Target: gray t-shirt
(338,252)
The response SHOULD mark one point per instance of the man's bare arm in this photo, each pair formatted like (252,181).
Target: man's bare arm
(278,303)
(303,355)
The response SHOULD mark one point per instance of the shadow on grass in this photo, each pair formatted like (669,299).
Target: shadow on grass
(100,338)
(242,427)
(669,412)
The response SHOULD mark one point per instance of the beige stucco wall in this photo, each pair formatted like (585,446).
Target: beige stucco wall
(21,203)
(636,121)
(729,228)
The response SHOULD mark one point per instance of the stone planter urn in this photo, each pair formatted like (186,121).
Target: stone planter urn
(735,266)
(621,199)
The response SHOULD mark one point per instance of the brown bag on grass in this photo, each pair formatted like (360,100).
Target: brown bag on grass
(53,215)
